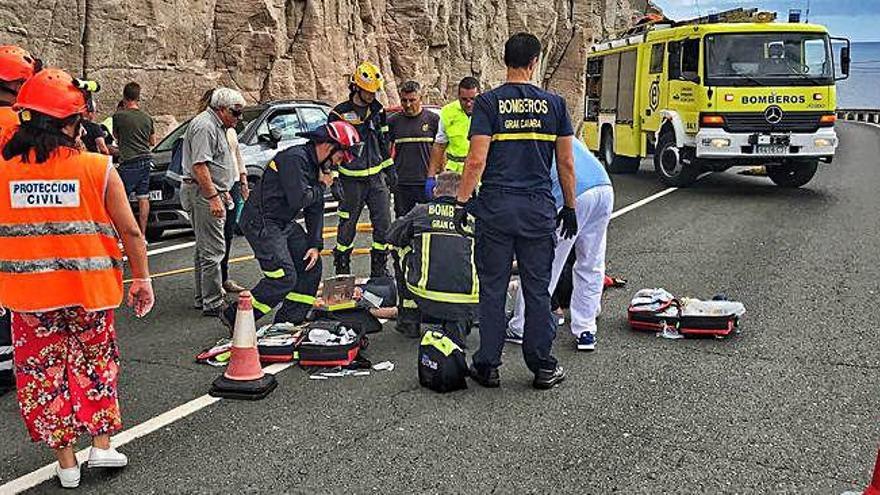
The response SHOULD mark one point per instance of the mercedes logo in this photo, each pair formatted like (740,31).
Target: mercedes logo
(773,115)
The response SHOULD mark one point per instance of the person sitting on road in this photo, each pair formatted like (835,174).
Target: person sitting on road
(61,210)
(437,280)
(290,256)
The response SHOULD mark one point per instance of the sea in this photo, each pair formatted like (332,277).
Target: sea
(862,89)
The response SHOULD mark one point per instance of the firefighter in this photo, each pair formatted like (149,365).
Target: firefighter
(16,67)
(438,283)
(515,130)
(365,181)
(290,256)
(62,213)
(451,143)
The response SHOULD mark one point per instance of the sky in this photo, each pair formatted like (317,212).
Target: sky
(854,19)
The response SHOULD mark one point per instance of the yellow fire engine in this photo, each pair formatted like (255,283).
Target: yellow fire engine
(729,89)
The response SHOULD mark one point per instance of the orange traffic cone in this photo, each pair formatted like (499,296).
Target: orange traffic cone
(244,377)
(874,488)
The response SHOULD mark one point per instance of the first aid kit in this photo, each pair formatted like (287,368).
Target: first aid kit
(656,310)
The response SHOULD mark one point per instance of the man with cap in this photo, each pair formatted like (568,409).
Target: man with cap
(290,256)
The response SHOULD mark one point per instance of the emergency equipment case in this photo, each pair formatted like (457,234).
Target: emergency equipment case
(651,309)
(311,354)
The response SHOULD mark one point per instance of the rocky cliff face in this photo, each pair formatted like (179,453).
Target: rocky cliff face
(176,49)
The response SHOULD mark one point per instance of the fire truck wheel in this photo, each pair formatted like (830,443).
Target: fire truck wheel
(614,163)
(795,173)
(675,167)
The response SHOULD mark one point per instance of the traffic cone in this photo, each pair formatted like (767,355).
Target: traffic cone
(874,488)
(244,377)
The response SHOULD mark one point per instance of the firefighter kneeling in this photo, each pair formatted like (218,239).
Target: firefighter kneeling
(288,255)
(437,281)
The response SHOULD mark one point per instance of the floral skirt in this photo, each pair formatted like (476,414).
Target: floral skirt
(66,368)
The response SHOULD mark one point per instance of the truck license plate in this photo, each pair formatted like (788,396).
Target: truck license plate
(771,149)
(156,195)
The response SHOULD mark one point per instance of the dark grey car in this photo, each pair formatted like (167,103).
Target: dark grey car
(264,130)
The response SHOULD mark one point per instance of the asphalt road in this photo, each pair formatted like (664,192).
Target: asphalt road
(790,405)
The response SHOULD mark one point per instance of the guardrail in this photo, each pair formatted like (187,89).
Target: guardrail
(871,115)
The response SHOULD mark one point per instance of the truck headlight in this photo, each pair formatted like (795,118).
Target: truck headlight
(717,142)
(823,142)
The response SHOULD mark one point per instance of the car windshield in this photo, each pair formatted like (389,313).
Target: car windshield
(248,115)
(768,59)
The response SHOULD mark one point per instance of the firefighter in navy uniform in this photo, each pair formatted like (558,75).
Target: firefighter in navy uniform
(290,256)
(439,282)
(365,181)
(515,130)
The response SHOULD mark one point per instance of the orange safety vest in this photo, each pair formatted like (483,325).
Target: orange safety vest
(58,246)
(8,123)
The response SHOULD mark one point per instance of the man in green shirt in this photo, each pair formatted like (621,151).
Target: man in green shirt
(135,137)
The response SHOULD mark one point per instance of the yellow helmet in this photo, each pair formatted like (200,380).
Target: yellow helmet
(368,77)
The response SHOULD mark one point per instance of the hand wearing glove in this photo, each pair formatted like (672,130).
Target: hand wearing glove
(430,182)
(568,219)
(460,219)
(140,296)
(336,190)
(390,178)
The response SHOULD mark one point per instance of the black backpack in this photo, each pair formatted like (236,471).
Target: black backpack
(442,364)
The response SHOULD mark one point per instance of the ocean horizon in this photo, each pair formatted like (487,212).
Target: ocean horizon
(861,90)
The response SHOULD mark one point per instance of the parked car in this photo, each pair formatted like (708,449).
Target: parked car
(264,130)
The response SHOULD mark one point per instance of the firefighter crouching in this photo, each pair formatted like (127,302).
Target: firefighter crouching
(365,181)
(290,256)
(437,280)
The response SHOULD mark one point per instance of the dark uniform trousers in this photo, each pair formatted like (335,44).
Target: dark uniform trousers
(279,249)
(373,193)
(406,196)
(495,250)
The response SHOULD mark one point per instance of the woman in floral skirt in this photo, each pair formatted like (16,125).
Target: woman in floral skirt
(62,212)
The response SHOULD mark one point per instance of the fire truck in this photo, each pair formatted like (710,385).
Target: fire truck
(735,88)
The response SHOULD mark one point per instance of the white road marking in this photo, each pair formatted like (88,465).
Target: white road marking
(47,472)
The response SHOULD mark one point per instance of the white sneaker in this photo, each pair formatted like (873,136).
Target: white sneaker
(69,477)
(109,458)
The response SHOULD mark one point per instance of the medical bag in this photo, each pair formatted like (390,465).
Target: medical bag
(330,343)
(654,309)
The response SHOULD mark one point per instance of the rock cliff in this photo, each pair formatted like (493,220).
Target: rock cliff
(272,49)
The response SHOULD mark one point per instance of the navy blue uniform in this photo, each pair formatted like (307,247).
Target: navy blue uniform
(289,186)
(516,215)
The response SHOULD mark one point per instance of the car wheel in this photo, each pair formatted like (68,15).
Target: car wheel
(794,173)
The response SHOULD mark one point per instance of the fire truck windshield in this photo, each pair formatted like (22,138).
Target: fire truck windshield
(768,59)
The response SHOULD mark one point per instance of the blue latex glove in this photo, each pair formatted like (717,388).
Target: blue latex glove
(430,182)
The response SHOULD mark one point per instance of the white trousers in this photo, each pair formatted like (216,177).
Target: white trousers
(593,209)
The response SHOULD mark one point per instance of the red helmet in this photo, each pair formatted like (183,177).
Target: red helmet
(341,133)
(16,63)
(51,92)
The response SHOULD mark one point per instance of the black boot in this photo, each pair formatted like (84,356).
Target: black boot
(342,262)
(545,379)
(378,263)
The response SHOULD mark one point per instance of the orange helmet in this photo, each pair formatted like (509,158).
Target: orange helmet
(52,92)
(16,63)
(368,77)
